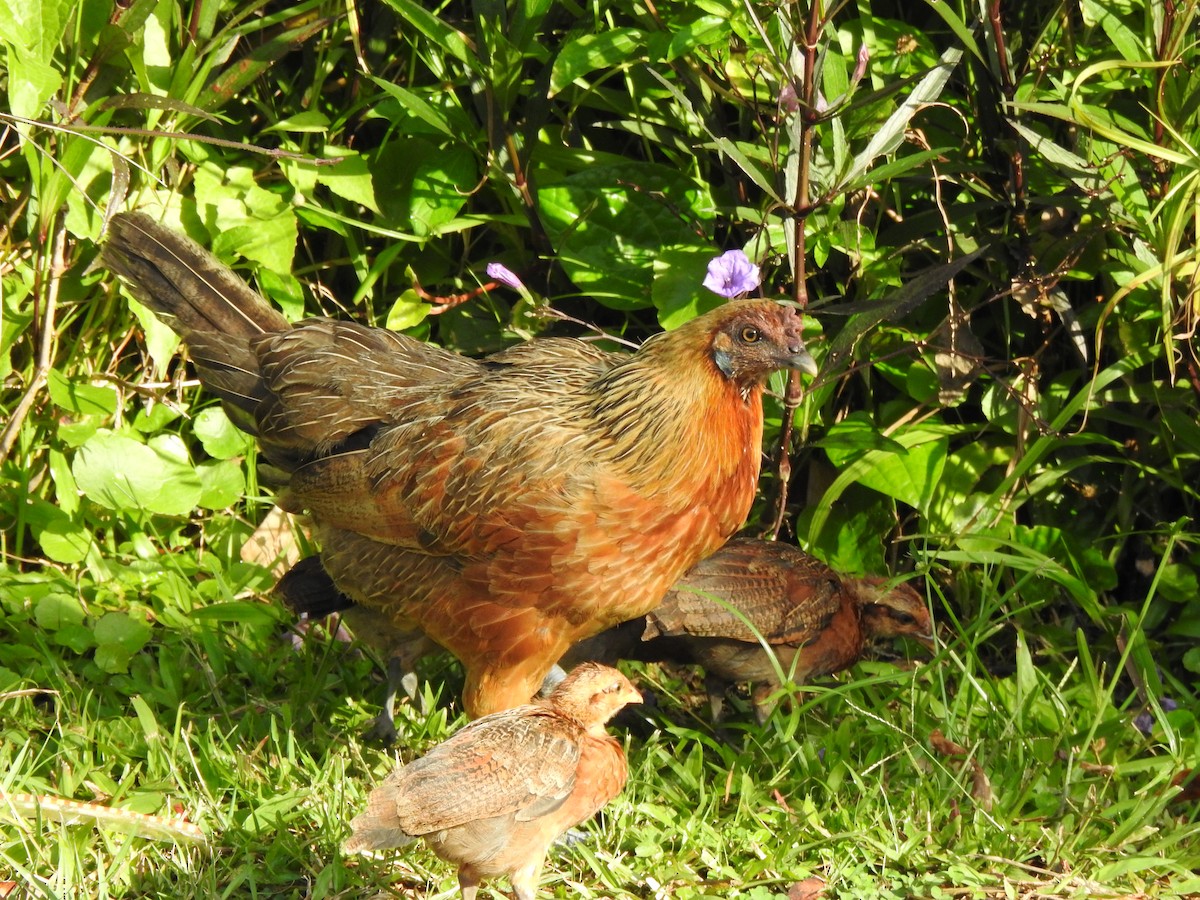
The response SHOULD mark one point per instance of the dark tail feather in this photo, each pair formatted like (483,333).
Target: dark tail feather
(214,311)
(307,588)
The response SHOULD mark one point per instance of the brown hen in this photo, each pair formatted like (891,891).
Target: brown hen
(496,505)
(494,797)
(815,620)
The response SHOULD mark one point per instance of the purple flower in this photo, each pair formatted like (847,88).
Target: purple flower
(501,273)
(731,274)
(860,69)
(1144,722)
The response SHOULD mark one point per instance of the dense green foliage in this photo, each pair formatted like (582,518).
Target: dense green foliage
(992,223)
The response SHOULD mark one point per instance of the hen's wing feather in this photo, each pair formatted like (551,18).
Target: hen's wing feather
(521,762)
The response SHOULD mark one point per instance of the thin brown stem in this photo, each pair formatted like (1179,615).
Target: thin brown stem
(801,209)
(46,346)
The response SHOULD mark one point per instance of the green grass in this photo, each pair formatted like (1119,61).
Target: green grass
(259,744)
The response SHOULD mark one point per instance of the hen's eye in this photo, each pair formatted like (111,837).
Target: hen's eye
(749,334)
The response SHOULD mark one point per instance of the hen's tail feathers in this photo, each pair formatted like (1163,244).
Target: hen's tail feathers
(307,589)
(378,826)
(214,311)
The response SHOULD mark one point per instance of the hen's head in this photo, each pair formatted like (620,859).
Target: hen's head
(750,339)
(592,694)
(899,612)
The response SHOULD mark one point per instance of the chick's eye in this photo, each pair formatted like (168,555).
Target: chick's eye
(903,618)
(749,334)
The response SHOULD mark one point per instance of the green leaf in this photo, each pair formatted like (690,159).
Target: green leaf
(120,473)
(677,291)
(888,137)
(220,438)
(853,435)
(424,184)
(408,310)
(419,108)
(702,32)
(121,628)
(56,611)
(161,341)
(64,540)
(271,242)
(610,223)
(237,611)
(31,31)
(350,178)
(438,32)
(911,476)
(222,483)
(118,637)
(615,47)
(308,122)
(80,398)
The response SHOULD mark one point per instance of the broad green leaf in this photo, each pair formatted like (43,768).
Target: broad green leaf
(55,611)
(307,122)
(64,540)
(222,483)
(81,398)
(161,341)
(350,178)
(586,54)
(702,32)
(911,476)
(678,292)
(120,473)
(220,438)
(31,31)
(610,223)
(424,186)
(439,33)
(407,311)
(271,242)
(237,611)
(119,636)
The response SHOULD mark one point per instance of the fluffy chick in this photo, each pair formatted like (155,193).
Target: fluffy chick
(495,796)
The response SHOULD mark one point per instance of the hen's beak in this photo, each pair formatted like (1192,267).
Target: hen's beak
(800,359)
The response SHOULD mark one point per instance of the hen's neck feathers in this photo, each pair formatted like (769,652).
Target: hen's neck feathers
(671,402)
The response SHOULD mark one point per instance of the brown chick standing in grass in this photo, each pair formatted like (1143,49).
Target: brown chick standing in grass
(495,796)
(497,505)
(815,621)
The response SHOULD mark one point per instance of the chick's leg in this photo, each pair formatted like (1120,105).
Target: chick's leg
(716,686)
(468,882)
(525,879)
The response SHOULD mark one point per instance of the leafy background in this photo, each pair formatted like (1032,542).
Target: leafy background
(990,215)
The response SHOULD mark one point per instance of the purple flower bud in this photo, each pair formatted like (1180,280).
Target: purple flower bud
(501,273)
(864,56)
(731,274)
(789,100)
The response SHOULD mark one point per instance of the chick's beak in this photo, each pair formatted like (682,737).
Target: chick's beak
(800,359)
(632,695)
